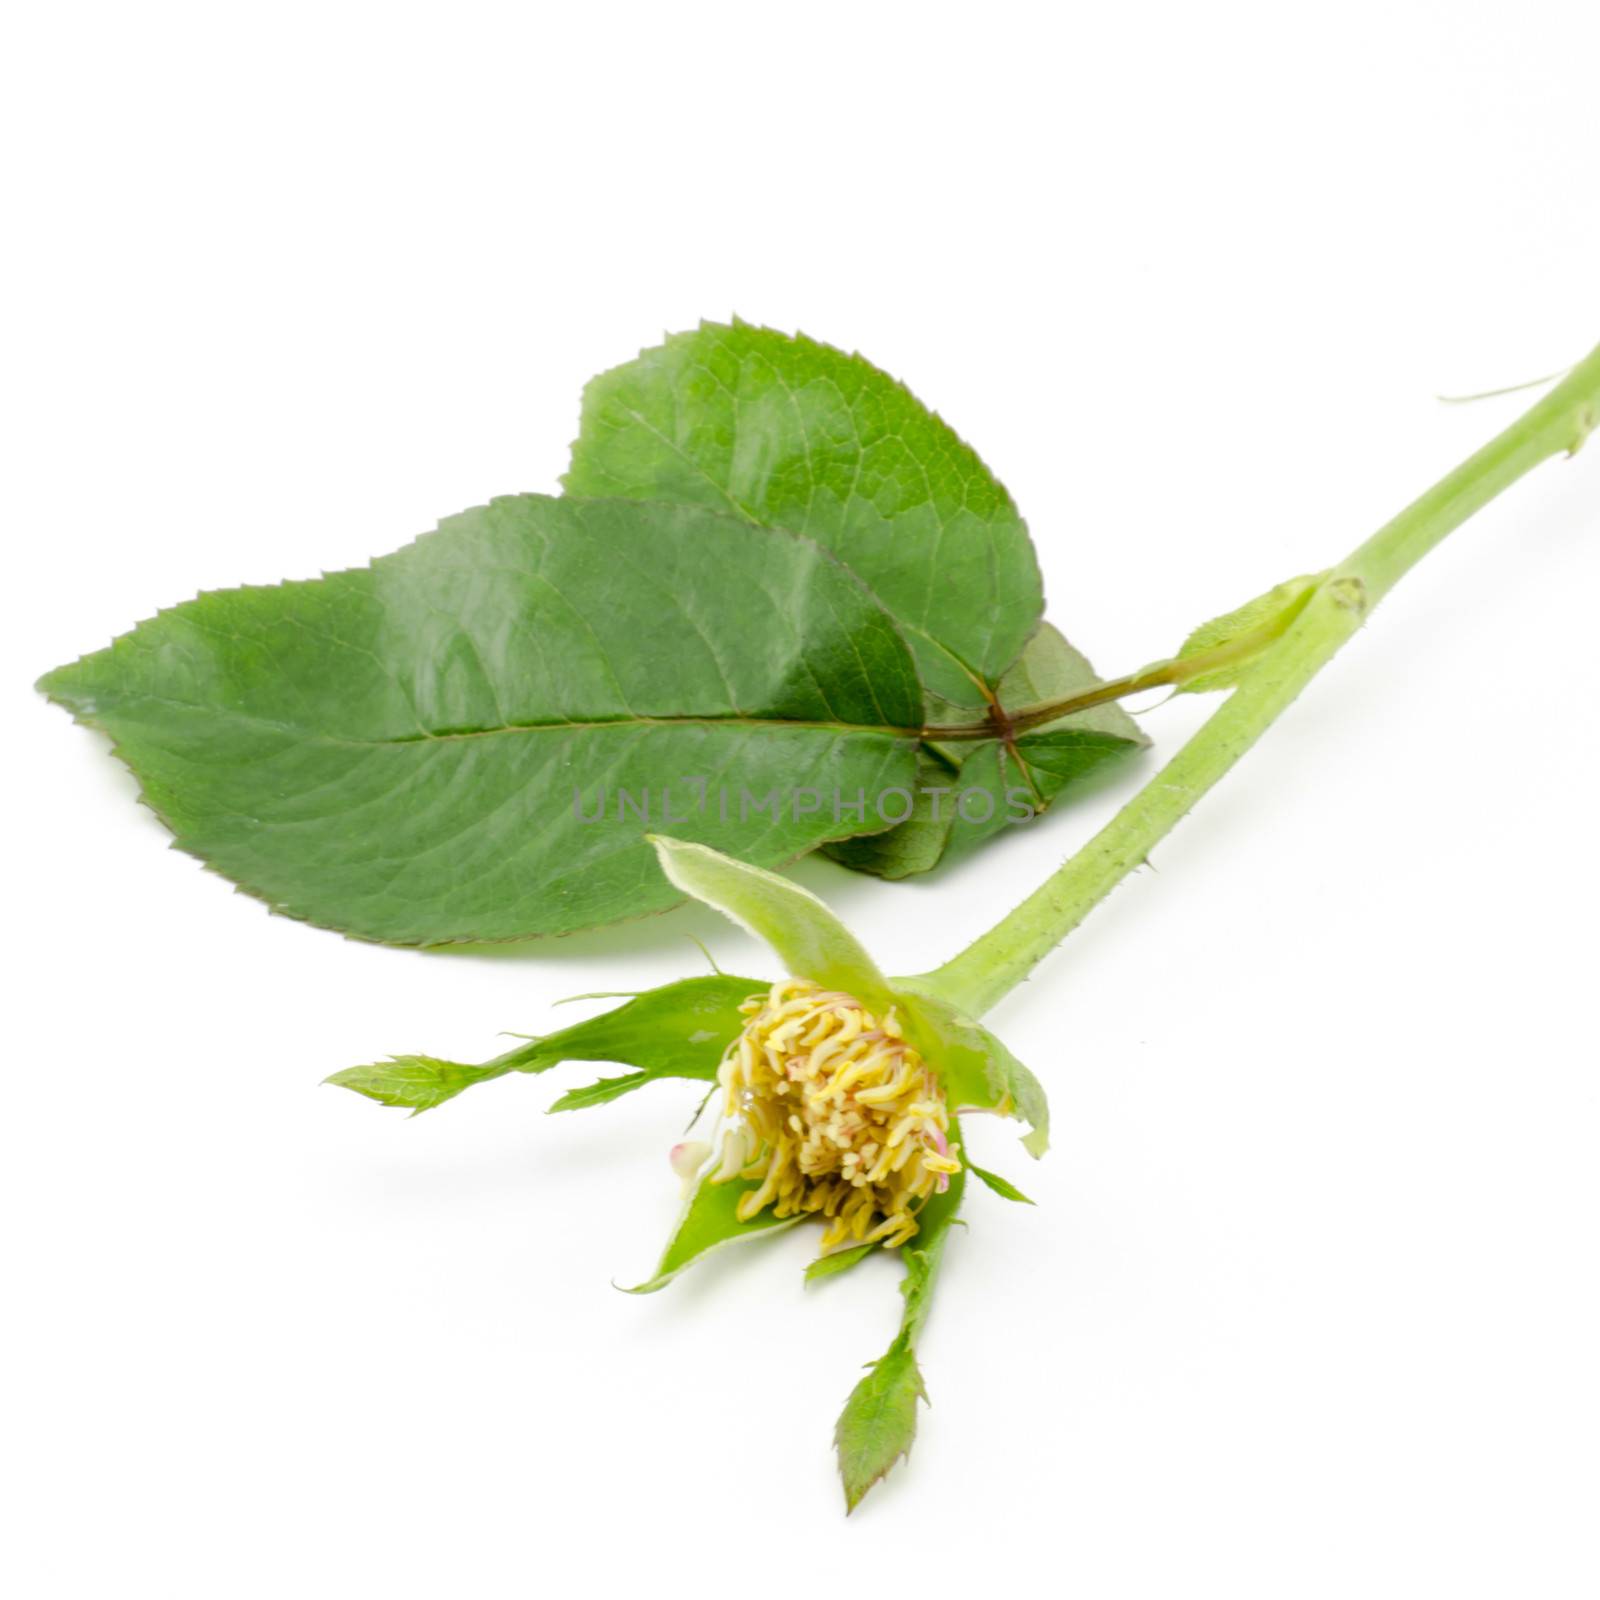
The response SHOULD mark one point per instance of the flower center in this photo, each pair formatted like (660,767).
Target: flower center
(834,1113)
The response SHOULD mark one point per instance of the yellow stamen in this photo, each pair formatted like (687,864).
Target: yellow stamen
(858,1135)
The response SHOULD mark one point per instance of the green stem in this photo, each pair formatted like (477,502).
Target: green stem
(990,967)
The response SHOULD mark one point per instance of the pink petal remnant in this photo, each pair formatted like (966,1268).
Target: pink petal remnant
(688,1158)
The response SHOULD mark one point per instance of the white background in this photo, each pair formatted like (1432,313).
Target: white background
(1308,1305)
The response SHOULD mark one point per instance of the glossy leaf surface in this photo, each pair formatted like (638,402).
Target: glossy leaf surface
(469,739)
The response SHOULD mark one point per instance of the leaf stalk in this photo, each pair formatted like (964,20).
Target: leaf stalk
(1173,673)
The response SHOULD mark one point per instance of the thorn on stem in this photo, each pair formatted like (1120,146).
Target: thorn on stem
(1588,421)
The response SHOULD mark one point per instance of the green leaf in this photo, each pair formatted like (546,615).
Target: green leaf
(792,433)
(917,844)
(677,1031)
(1256,623)
(406,751)
(795,434)
(708,1223)
(1046,762)
(966,793)
(879,1422)
(804,934)
(1056,757)
(1003,1187)
(837,1261)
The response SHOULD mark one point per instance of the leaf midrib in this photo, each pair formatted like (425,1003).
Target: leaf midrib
(428,736)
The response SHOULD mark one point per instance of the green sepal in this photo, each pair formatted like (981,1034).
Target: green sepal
(925,1250)
(803,933)
(1003,1187)
(415,1083)
(879,1422)
(837,1261)
(602,1092)
(709,1221)
(976,1071)
(677,1031)
(974,1068)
